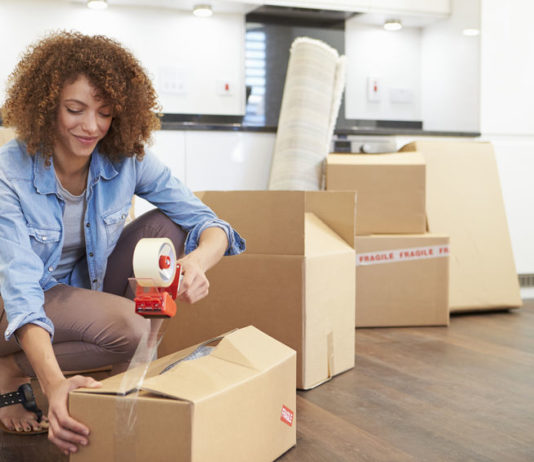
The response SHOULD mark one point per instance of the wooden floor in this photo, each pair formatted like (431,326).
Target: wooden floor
(462,393)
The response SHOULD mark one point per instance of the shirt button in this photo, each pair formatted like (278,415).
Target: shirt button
(91,254)
(44,238)
(88,225)
(50,269)
(123,216)
(95,281)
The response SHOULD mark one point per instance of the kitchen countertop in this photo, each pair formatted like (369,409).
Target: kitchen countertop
(364,131)
(203,122)
(200,122)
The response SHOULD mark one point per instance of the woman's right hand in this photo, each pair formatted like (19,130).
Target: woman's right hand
(65,432)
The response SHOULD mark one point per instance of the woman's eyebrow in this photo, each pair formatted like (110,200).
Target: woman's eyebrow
(73,100)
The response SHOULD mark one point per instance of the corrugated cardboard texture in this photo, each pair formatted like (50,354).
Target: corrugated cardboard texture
(306,301)
(329,318)
(245,425)
(404,293)
(464,201)
(224,407)
(158,428)
(272,222)
(390,189)
(262,290)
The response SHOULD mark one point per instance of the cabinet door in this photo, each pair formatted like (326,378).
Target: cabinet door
(228,160)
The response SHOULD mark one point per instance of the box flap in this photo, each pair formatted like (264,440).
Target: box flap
(239,356)
(272,222)
(321,239)
(335,208)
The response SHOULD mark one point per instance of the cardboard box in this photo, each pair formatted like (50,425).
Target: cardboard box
(296,281)
(236,404)
(402,280)
(464,200)
(390,187)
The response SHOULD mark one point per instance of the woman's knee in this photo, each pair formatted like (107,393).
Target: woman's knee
(124,332)
(157,224)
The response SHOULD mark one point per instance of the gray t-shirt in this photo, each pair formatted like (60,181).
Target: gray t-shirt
(74,241)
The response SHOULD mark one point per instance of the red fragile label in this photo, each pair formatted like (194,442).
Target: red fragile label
(287,415)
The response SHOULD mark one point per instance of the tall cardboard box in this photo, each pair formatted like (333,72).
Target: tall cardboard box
(235,404)
(464,200)
(390,187)
(296,281)
(402,280)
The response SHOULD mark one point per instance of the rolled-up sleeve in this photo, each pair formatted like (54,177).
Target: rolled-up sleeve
(33,318)
(236,244)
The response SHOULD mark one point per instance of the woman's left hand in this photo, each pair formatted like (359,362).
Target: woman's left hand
(195,284)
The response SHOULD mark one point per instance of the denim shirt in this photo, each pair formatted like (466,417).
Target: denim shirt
(31,223)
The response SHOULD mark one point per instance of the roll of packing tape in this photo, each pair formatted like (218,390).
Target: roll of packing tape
(154,262)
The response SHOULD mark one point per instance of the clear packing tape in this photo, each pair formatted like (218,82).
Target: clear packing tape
(148,273)
(126,427)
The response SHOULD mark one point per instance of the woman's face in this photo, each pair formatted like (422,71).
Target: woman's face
(83,119)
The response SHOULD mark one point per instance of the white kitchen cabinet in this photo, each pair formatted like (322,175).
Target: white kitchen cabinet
(214,160)
(227,160)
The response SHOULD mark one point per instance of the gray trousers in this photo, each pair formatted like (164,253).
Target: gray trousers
(95,329)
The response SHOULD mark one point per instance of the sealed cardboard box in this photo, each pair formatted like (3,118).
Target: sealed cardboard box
(390,188)
(464,200)
(296,281)
(402,280)
(236,403)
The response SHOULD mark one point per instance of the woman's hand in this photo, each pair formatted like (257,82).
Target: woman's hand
(65,432)
(195,284)
(212,245)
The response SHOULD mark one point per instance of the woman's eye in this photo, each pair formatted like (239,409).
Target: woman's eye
(73,111)
(105,114)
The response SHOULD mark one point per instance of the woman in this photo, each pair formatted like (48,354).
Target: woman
(83,109)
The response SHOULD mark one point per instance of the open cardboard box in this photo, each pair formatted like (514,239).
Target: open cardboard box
(464,201)
(390,187)
(235,404)
(402,280)
(296,281)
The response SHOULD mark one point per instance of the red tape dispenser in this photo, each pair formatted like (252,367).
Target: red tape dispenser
(157,278)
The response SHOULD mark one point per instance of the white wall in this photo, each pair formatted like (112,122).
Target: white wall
(507,58)
(198,52)
(392,57)
(434,62)
(507,113)
(450,71)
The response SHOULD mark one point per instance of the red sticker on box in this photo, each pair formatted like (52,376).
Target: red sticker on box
(287,415)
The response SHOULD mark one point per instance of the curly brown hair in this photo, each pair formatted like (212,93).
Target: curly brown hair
(35,85)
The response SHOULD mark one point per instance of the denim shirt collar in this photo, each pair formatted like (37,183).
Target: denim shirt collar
(44,178)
